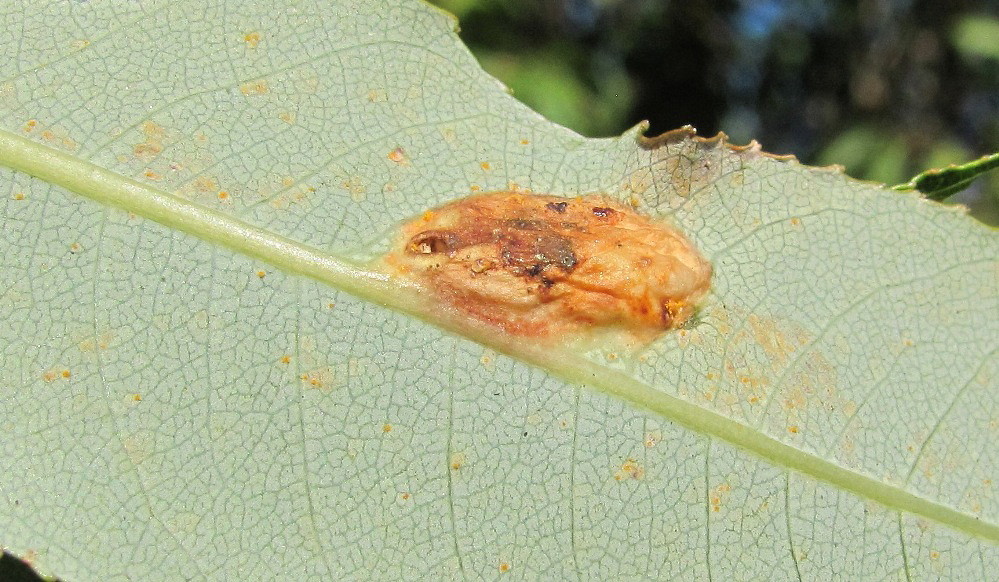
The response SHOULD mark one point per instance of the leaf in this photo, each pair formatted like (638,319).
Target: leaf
(971,33)
(203,380)
(942,183)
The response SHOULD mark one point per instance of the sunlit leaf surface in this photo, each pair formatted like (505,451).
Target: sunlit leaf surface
(187,188)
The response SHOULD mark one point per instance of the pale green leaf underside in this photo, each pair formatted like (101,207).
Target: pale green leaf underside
(287,428)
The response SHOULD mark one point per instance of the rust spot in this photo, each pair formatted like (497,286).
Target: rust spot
(630,469)
(252,39)
(398,155)
(258,87)
(321,379)
(147,150)
(69,143)
(152,130)
(719,495)
(205,184)
(355,185)
(545,266)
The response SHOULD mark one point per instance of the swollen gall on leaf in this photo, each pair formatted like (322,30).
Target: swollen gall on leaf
(552,268)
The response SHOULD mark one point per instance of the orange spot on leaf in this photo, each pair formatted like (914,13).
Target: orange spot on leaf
(630,469)
(258,87)
(398,155)
(205,184)
(147,150)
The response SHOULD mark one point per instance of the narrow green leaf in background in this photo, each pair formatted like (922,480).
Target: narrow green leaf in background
(945,182)
(202,379)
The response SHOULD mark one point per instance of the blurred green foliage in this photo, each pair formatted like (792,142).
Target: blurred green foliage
(886,88)
(976,35)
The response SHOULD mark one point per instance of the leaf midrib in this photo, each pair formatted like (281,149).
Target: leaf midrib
(106,187)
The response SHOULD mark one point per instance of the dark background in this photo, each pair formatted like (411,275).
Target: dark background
(886,88)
